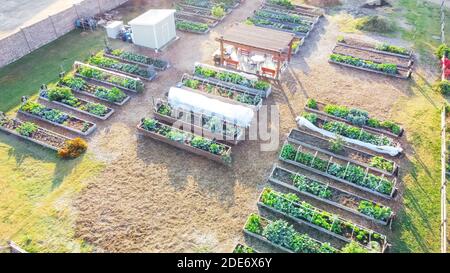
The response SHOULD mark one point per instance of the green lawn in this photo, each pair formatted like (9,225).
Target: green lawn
(24,77)
(36,187)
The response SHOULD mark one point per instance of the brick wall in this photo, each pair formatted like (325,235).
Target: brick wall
(30,38)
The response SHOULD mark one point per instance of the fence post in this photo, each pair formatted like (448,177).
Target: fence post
(443,227)
(53,25)
(26,39)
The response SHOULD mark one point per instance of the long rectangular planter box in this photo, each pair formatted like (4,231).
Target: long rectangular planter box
(188,16)
(127,98)
(128,74)
(311,225)
(294,11)
(264,240)
(374,71)
(194,128)
(245,89)
(182,146)
(343,158)
(111,111)
(88,132)
(294,189)
(409,56)
(134,62)
(106,83)
(54,148)
(306,17)
(297,34)
(295,163)
(367,128)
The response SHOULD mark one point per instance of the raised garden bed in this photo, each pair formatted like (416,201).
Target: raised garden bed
(63,96)
(345,130)
(112,95)
(349,174)
(38,135)
(300,31)
(342,160)
(292,208)
(199,12)
(206,5)
(187,141)
(206,126)
(355,117)
(190,26)
(240,81)
(240,248)
(221,90)
(307,186)
(387,69)
(133,70)
(135,58)
(287,5)
(282,236)
(385,49)
(373,56)
(195,18)
(108,78)
(367,160)
(57,118)
(282,16)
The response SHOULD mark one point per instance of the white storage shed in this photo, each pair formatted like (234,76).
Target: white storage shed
(154,29)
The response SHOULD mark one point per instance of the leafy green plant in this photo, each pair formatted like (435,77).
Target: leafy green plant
(27,129)
(113,95)
(392,49)
(343,129)
(311,103)
(311,117)
(149,124)
(243,249)
(191,26)
(354,247)
(305,184)
(382,163)
(336,110)
(217,11)
(442,87)
(254,224)
(374,210)
(384,67)
(337,144)
(95,108)
(165,110)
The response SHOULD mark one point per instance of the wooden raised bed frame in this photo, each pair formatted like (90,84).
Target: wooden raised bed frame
(79,64)
(183,146)
(367,128)
(293,219)
(344,158)
(126,73)
(409,56)
(292,188)
(54,148)
(111,111)
(137,63)
(266,241)
(88,132)
(125,100)
(189,30)
(374,71)
(195,128)
(245,89)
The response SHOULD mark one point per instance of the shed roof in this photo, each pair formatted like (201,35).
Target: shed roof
(152,17)
(259,37)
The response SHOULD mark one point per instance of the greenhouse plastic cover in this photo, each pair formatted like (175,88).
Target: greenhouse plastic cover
(390,150)
(190,101)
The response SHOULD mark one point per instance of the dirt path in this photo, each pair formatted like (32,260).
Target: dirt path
(153,197)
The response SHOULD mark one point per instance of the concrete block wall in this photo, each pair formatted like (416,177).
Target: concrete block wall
(32,37)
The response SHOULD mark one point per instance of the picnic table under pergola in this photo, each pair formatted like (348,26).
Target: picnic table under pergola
(257,50)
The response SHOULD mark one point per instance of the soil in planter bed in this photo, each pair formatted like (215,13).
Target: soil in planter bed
(39,135)
(370,56)
(358,43)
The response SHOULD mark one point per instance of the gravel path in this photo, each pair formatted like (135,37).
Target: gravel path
(153,197)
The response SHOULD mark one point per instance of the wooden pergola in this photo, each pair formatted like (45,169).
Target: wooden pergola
(248,37)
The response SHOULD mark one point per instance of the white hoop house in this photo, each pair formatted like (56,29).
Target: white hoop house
(190,101)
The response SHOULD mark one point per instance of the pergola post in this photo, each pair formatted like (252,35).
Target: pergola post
(221,51)
(278,65)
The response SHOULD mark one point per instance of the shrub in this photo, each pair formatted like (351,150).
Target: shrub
(73,148)
(442,87)
(311,103)
(442,50)
(217,11)
(27,128)
(375,24)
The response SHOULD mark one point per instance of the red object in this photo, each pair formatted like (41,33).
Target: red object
(268,71)
(447,73)
(232,63)
(446,63)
